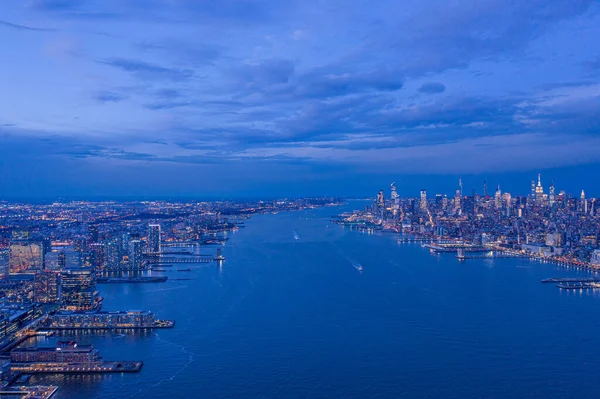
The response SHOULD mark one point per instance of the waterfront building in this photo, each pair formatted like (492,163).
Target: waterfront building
(154,239)
(135,255)
(595,258)
(46,287)
(14,317)
(113,254)
(65,354)
(98,256)
(105,320)
(78,290)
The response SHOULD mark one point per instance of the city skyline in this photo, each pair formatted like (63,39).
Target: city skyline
(174,98)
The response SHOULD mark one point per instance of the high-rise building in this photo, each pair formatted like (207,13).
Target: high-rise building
(80,244)
(423,202)
(25,257)
(498,198)
(539,190)
(154,236)
(468,205)
(98,256)
(93,232)
(46,287)
(125,239)
(135,255)
(113,254)
(78,290)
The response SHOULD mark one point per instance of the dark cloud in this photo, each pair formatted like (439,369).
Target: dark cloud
(108,97)
(24,27)
(57,5)
(432,88)
(148,71)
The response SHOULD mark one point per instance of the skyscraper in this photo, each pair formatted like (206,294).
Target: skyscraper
(113,254)
(539,190)
(25,257)
(78,290)
(423,203)
(154,235)
(135,254)
(46,287)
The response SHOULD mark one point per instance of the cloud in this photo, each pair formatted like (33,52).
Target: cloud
(148,71)
(432,88)
(190,52)
(24,27)
(108,97)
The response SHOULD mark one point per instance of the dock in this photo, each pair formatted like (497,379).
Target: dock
(131,280)
(570,280)
(29,392)
(104,367)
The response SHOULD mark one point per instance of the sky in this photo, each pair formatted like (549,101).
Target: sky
(184,98)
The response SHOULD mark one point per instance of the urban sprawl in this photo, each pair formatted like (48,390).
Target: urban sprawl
(54,257)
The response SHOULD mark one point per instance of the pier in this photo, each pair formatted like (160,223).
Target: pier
(134,280)
(490,254)
(104,367)
(571,280)
(169,259)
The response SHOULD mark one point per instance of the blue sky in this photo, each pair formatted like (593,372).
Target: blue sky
(265,97)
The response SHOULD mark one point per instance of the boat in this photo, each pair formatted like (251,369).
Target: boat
(358,267)
(296,236)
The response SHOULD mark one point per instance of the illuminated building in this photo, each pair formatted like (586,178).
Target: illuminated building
(13,318)
(78,290)
(46,288)
(423,202)
(595,259)
(498,197)
(154,237)
(457,201)
(80,244)
(380,199)
(468,205)
(105,320)
(113,254)
(98,256)
(25,257)
(93,232)
(395,199)
(65,354)
(135,255)
(539,190)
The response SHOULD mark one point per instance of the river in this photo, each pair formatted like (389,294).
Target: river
(288,318)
